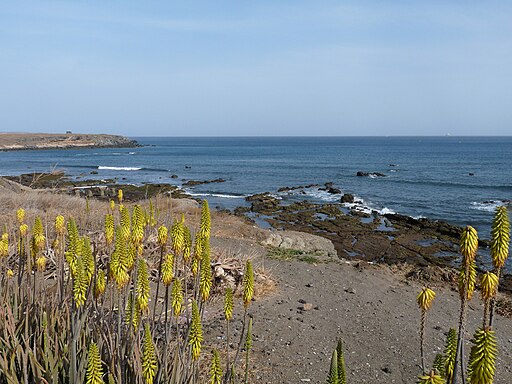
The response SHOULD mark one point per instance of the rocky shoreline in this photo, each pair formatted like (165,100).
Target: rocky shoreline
(40,141)
(351,233)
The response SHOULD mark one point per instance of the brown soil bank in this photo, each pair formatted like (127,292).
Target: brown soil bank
(23,141)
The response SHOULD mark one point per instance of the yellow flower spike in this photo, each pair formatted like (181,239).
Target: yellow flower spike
(142,288)
(60,225)
(109,228)
(112,205)
(472,280)
(215,368)
(469,243)
(126,224)
(120,196)
(149,359)
(177,237)
(450,350)
(74,245)
(248,284)
(205,277)
(162,235)
(482,358)
(195,266)
(119,260)
(500,237)
(488,285)
(23,230)
(94,373)
(38,234)
(80,283)
(138,225)
(196,332)
(5,236)
(168,269)
(20,215)
(177,297)
(41,263)
(205,223)
(228,304)
(425,298)
(101,284)
(10,273)
(136,316)
(4,247)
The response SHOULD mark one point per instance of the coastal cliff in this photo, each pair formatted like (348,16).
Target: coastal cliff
(25,141)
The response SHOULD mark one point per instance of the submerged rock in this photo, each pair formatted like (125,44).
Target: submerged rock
(370,174)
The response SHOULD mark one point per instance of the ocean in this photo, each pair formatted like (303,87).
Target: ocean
(457,179)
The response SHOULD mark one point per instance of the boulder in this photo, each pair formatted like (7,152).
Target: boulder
(347,198)
(300,241)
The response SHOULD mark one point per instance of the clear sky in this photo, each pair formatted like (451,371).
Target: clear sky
(167,68)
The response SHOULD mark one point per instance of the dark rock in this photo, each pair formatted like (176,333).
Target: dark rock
(174,176)
(329,188)
(347,198)
(287,189)
(370,174)
(93,172)
(263,203)
(192,183)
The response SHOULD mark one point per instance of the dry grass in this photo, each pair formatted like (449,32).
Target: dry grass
(38,289)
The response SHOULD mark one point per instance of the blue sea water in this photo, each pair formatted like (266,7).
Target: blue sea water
(457,179)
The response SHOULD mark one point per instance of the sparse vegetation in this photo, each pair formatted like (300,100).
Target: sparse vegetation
(293,254)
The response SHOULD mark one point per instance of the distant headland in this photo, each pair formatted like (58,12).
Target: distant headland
(69,140)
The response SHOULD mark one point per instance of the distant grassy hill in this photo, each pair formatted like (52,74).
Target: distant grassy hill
(22,141)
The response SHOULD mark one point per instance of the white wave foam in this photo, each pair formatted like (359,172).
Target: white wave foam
(119,168)
(387,211)
(217,195)
(313,192)
(487,206)
(322,195)
(131,153)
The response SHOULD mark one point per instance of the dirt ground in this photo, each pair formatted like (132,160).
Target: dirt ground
(370,307)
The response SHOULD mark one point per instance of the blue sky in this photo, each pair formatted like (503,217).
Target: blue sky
(257,67)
